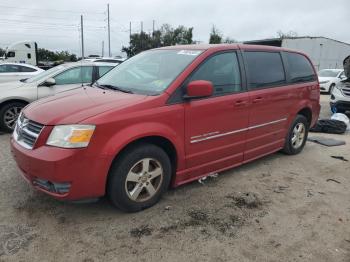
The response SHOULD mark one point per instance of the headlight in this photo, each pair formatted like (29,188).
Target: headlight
(324,82)
(71,136)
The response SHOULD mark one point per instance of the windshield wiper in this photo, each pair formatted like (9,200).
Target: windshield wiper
(112,87)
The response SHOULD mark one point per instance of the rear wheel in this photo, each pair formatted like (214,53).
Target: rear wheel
(139,177)
(297,135)
(9,114)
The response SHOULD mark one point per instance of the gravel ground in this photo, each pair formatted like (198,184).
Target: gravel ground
(279,208)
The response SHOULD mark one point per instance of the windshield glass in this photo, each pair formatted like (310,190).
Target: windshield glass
(328,73)
(41,76)
(150,72)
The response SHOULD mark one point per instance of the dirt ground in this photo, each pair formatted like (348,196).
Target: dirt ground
(279,208)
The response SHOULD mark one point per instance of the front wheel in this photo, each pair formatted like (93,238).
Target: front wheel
(9,114)
(297,135)
(139,177)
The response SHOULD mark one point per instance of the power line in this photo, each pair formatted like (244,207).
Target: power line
(50,10)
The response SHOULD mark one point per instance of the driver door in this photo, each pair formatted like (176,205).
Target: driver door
(67,80)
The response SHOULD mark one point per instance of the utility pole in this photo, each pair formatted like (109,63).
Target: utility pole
(153,29)
(82,36)
(130,33)
(103,48)
(109,33)
(141,34)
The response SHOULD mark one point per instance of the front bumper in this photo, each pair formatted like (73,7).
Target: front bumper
(67,174)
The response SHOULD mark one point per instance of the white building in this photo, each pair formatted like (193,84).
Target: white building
(323,51)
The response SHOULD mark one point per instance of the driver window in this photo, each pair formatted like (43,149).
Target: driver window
(223,71)
(75,75)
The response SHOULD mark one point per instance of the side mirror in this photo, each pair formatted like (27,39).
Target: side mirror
(199,89)
(49,82)
(342,77)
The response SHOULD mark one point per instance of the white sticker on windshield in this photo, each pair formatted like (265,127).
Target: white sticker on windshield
(189,52)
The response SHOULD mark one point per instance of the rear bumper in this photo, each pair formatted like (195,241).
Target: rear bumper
(80,175)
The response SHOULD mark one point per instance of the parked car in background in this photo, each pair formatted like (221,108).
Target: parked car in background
(340,97)
(328,78)
(15,95)
(197,110)
(106,60)
(15,72)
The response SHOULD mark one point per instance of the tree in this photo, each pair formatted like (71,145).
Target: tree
(2,52)
(281,34)
(215,36)
(229,40)
(47,55)
(166,36)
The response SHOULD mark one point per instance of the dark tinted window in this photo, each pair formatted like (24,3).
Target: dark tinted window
(264,69)
(9,69)
(27,69)
(300,69)
(223,71)
(11,54)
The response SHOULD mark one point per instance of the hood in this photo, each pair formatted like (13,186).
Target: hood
(346,65)
(77,105)
(10,85)
(323,78)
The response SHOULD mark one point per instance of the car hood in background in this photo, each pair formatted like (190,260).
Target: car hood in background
(323,79)
(74,106)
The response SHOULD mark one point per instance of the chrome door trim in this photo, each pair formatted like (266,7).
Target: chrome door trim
(197,139)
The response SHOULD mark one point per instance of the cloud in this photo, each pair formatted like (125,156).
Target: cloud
(55,24)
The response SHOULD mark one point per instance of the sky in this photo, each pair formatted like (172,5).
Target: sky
(55,25)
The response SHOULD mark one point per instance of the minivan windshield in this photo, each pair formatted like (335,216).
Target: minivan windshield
(328,73)
(150,72)
(41,76)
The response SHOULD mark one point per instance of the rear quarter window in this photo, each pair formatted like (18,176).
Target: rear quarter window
(300,68)
(265,69)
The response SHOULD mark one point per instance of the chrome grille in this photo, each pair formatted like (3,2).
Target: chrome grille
(26,132)
(345,88)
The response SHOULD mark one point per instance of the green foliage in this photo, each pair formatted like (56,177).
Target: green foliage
(166,36)
(215,36)
(47,55)
(281,34)
(2,52)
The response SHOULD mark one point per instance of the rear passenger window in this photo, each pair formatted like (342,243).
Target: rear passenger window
(300,69)
(102,70)
(265,69)
(27,69)
(223,71)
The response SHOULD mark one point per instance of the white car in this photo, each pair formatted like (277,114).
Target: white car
(340,96)
(15,72)
(16,95)
(328,78)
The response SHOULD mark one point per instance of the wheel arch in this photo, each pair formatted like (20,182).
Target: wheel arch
(307,113)
(161,141)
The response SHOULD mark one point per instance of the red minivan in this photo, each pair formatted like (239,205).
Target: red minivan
(166,117)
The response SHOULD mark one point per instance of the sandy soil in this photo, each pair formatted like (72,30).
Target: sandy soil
(279,208)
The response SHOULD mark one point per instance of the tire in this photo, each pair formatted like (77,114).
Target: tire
(329,126)
(9,114)
(295,143)
(330,90)
(129,184)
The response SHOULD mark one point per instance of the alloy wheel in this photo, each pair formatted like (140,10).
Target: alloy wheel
(144,180)
(11,115)
(298,135)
